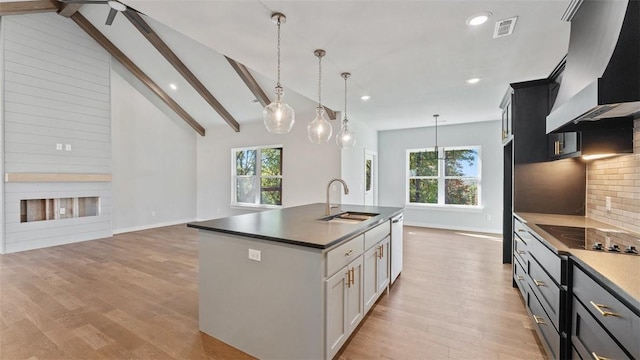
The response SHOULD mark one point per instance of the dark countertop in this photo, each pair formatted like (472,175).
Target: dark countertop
(620,273)
(299,225)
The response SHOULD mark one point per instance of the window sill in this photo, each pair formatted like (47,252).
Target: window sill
(254,207)
(461,208)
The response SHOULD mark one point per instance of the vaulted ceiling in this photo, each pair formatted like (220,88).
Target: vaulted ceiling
(412,57)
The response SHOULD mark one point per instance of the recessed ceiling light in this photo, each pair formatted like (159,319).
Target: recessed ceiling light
(473,81)
(479,18)
(365,97)
(173,86)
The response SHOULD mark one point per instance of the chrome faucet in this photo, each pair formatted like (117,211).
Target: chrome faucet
(346,192)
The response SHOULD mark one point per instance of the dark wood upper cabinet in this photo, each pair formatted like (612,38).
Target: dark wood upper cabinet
(528,108)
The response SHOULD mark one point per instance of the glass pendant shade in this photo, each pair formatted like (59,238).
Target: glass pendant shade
(345,138)
(278,117)
(319,130)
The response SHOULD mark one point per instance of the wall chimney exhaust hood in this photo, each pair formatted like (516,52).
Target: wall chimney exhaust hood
(601,79)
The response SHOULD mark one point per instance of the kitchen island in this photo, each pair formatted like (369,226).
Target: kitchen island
(288,284)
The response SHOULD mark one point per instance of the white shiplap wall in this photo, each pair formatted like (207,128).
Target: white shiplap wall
(56,91)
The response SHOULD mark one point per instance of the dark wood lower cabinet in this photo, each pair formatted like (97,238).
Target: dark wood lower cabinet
(589,339)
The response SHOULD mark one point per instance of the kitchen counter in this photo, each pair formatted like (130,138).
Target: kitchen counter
(299,225)
(283,284)
(621,273)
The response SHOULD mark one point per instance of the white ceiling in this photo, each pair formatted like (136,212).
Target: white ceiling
(411,57)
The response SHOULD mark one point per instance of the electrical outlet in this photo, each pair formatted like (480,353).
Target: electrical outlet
(59,147)
(255,255)
(67,147)
(607,201)
(63,211)
(153,213)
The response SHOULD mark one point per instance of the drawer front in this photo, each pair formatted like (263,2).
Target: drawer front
(518,226)
(624,325)
(373,236)
(541,321)
(589,338)
(520,277)
(520,249)
(342,255)
(546,290)
(549,261)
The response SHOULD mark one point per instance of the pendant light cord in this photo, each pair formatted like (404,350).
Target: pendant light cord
(278,83)
(319,81)
(345,99)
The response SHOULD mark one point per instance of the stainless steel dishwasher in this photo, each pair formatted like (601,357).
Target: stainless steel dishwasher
(396,246)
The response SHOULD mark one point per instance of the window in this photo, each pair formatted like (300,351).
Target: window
(257,176)
(450,176)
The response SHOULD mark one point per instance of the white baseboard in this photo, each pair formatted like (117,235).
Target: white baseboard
(449,227)
(151,226)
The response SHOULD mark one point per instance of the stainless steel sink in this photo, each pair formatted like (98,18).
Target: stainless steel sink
(349,217)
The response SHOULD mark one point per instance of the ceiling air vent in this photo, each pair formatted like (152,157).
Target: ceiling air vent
(504,27)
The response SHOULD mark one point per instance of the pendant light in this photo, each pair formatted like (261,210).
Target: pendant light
(345,138)
(278,117)
(319,130)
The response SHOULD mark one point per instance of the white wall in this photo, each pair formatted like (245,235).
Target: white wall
(154,158)
(55,91)
(352,167)
(307,167)
(392,146)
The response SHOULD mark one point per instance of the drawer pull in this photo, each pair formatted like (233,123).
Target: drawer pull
(348,253)
(521,252)
(520,277)
(539,320)
(521,230)
(602,312)
(539,283)
(596,357)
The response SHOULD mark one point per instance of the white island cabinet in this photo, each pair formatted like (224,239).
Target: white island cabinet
(284,284)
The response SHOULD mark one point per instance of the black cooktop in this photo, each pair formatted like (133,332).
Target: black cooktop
(605,240)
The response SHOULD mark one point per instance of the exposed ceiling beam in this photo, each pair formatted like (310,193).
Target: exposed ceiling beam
(135,70)
(27,7)
(257,91)
(250,81)
(175,61)
(68,9)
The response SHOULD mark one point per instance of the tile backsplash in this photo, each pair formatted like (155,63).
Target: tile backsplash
(619,179)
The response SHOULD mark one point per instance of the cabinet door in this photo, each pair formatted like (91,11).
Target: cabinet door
(354,298)
(563,145)
(590,339)
(383,265)
(336,295)
(370,281)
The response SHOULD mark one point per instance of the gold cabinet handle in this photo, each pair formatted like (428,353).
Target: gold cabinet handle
(539,283)
(349,282)
(380,251)
(353,276)
(599,307)
(521,252)
(539,320)
(520,277)
(556,146)
(596,357)
(348,253)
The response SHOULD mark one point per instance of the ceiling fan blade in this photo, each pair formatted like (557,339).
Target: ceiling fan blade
(112,15)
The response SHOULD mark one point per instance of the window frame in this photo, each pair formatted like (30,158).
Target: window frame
(257,177)
(441,178)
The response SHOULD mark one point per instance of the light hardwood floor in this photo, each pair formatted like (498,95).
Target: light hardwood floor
(135,296)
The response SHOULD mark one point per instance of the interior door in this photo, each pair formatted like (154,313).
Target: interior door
(370,178)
